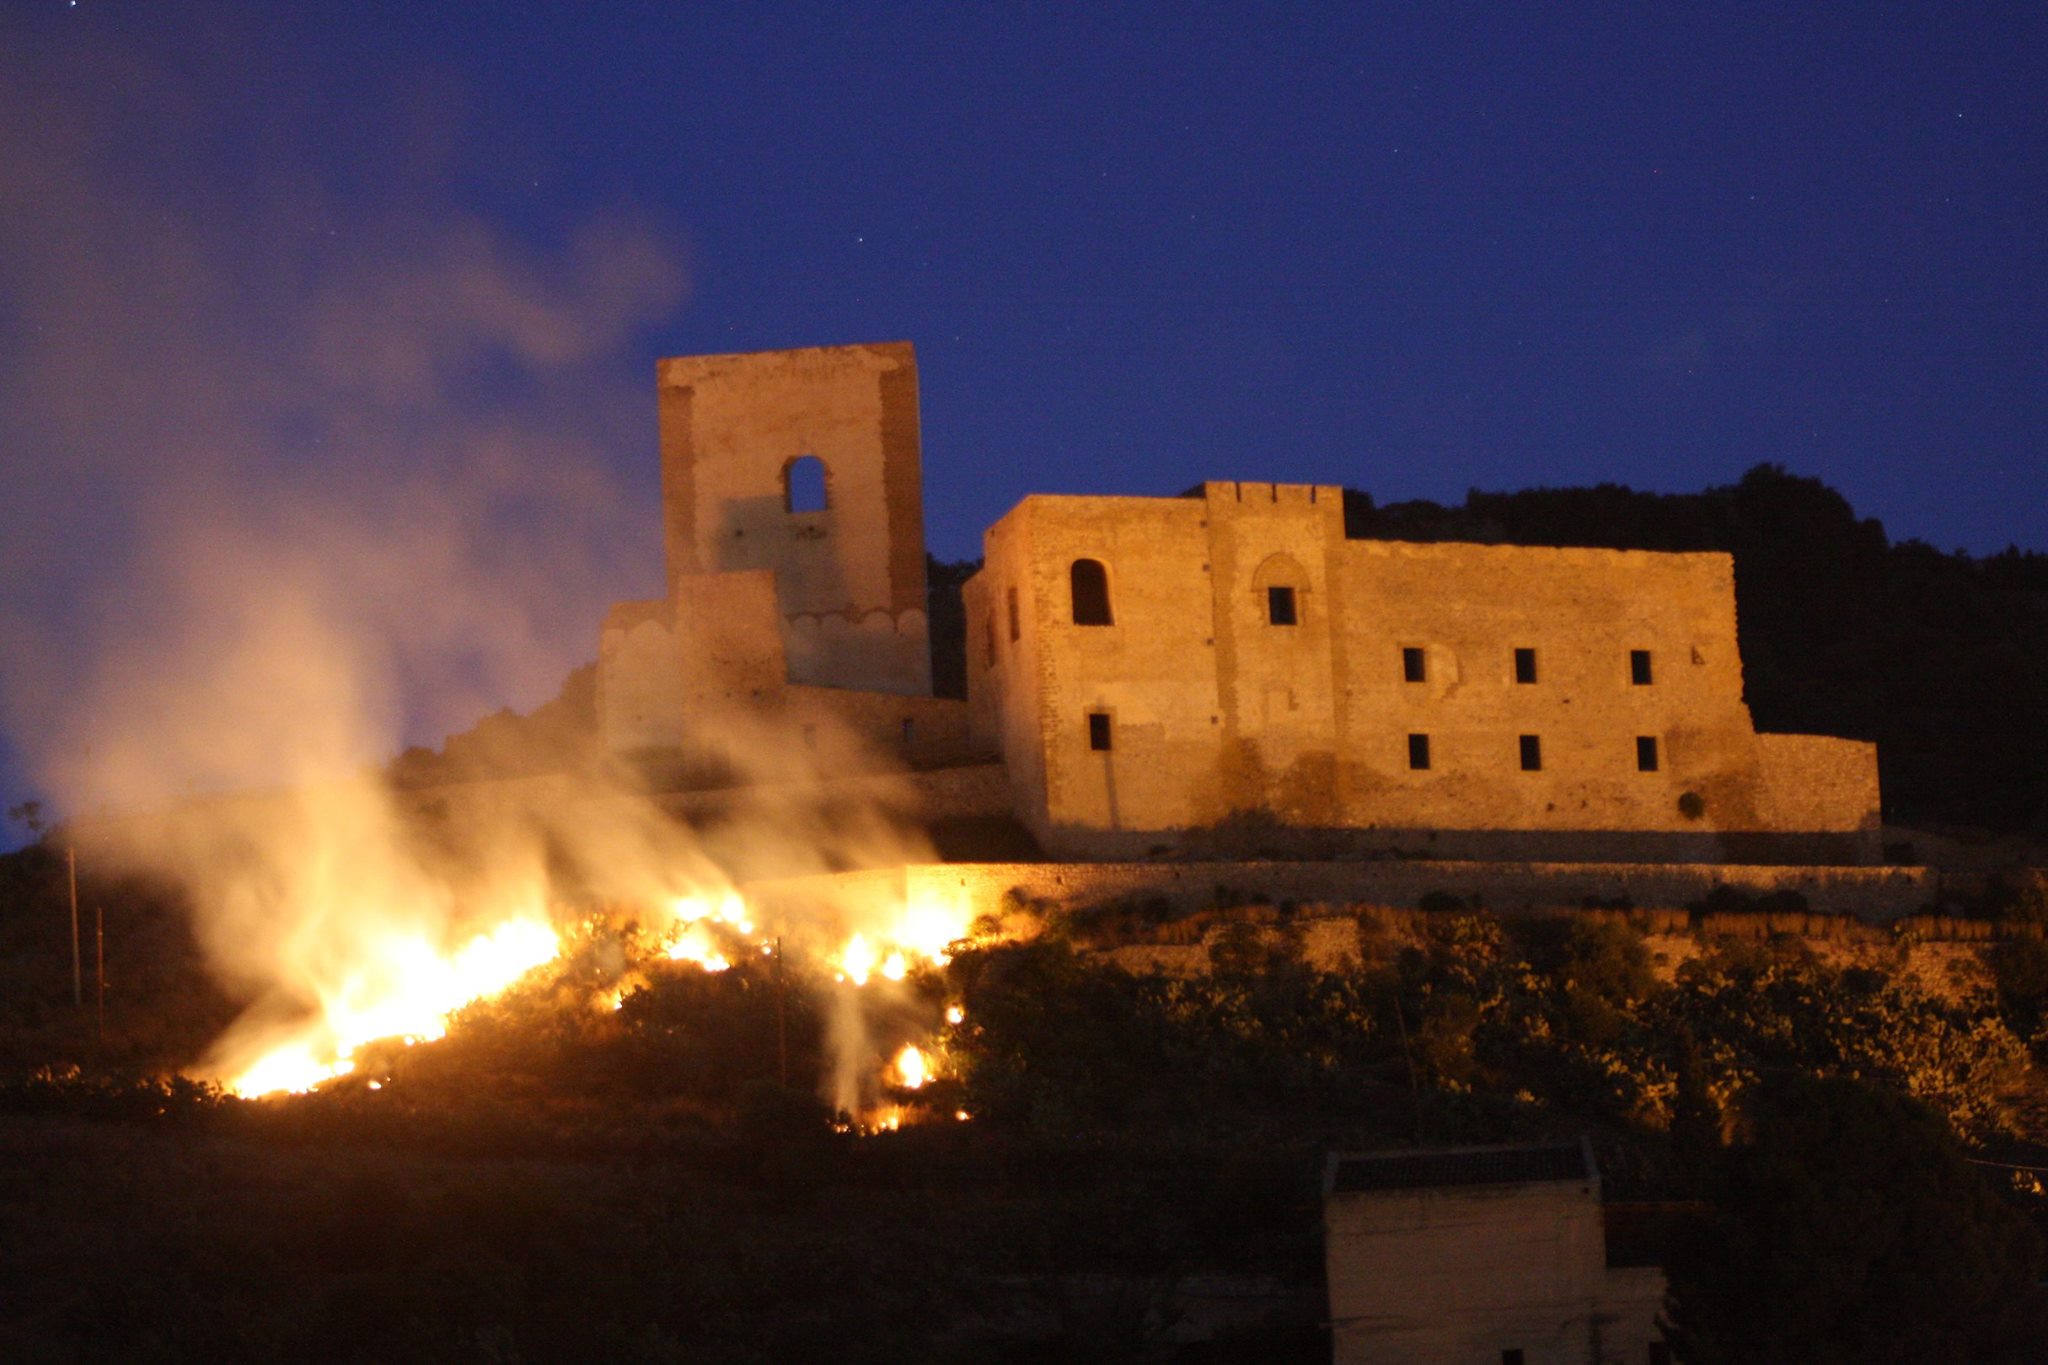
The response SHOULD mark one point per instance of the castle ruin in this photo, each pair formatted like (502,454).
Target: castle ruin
(1219,673)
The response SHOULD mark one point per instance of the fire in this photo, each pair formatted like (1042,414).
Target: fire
(929,929)
(731,911)
(857,960)
(920,933)
(409,990)
(693,946)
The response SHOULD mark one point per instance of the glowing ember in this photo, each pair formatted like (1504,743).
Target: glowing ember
(407,990)
(911,1067)
(954,1014)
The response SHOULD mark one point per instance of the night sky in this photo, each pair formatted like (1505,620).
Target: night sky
(307,252)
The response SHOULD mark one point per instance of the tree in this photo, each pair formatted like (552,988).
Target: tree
(30,813)
(1851,1228)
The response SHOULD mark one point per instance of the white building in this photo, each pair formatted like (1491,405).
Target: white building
(1480,1256)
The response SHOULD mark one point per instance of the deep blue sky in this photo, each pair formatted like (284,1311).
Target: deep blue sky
(1409,250)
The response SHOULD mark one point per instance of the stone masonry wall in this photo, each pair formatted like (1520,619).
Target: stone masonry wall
(732,425)
(1880,893)
(1221,715)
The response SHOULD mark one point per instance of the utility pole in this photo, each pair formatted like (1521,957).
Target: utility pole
(99,952)
(77,972)
(781,1018)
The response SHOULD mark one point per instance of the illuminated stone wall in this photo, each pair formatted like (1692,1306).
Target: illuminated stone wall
(639,679)
(732,426)
(1467,1273)
(765,588)
(1261,678)
(1872,893)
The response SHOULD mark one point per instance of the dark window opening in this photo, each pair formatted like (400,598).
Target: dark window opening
(1098,731)
(1525,665)
(1646,753)
(1639,667)
(1511,1356)
(1418,752)
(803,484)
(1414,668)
(1090,584)
(1280,606)
(1532,754)
(1016,629)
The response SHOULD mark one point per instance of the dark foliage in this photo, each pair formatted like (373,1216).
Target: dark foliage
(948,622)
(1850,1228)
(1942,659)
(161,1005)
(1496,1024)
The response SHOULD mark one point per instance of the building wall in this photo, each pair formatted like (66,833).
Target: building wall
(639,679)
(917,732)
(1871,893)
(1222,718)
(1152,670)
(1458,1275)
(761,594)
(730,427)
(730,649)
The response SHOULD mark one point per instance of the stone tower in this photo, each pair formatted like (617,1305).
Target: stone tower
(805,464)
(793,514)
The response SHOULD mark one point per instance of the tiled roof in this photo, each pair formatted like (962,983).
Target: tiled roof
(1453,1167)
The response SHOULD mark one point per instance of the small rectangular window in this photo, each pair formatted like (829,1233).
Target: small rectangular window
(1015,628)
(1511,1356)
(1418,752)
(1413,666)
(1525,665)
(1532,754)
(1639,667)
(1646,753)
(1098,731)
(1280,606)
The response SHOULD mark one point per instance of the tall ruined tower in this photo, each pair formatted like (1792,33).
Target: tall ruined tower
(736,432)
(793,512)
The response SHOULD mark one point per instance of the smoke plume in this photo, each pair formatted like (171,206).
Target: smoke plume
(307,461)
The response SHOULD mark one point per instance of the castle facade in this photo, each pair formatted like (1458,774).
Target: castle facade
(1224,671)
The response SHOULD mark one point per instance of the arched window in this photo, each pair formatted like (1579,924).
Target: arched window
(803,484)
(1090,583)
(1280,585)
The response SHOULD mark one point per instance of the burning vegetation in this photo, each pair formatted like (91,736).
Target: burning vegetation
(355,979)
